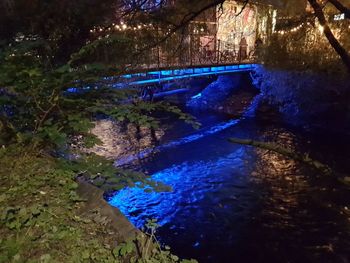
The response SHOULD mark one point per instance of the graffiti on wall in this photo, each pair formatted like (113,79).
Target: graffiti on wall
(234,29)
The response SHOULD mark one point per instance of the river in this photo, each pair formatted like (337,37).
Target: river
(234,203)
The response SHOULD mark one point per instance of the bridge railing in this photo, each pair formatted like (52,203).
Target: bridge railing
(155,76)
(202,57)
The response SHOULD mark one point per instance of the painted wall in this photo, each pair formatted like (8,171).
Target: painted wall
(233,27)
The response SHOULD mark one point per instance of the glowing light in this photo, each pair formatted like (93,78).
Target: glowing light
(321,28)
(274,20)
(339,17)
(187,73)
(197,96)
(124,26)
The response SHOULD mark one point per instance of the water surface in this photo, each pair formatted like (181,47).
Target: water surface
(233,203)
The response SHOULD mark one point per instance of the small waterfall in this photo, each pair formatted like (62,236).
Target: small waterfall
(193,137)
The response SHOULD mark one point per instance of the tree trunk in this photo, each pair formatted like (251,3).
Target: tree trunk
(328,33)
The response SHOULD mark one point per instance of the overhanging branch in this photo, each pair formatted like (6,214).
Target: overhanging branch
(329,35)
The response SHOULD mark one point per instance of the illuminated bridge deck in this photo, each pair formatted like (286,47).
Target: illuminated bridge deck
(166,75)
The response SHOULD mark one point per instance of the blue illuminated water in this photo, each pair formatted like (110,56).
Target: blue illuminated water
(233,203)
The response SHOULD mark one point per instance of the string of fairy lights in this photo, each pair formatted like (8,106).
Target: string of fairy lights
(127,28)
(121,27)
(337,17)
(297,28)
(142,26)
(290,30)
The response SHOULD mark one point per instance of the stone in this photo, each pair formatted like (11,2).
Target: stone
(113,219)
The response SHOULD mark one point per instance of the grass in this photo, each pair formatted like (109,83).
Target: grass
(40,219)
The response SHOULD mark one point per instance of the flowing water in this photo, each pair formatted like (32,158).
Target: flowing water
(234,203)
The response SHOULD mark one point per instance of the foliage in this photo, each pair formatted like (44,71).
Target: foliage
(38,209)
(150,249)
(52,88)
(63,24)
(39,219)
(39,105)
(299,42)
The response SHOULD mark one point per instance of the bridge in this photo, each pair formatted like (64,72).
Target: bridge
(158,76)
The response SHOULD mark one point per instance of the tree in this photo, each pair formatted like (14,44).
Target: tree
(344,55)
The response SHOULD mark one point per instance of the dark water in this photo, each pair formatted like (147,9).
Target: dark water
(233,203)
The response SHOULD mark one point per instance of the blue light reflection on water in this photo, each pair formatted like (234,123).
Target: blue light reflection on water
(194,192)
(214,129)
(237,202)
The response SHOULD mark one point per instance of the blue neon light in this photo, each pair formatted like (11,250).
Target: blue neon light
(197,96)
(218,68)
(179,72)
(182,73)
(213,72)
(231,67)
(244,66)
(166,72)
(153,73)
(189,71)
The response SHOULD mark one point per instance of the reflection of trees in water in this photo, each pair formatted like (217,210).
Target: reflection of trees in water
(119,140)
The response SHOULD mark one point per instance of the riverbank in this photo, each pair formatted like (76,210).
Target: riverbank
(50,216)
(306,97)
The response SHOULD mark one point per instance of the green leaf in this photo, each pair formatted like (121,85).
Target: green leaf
(2,197)
(73,186)
(116,251)
(45,258)
(85,254)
